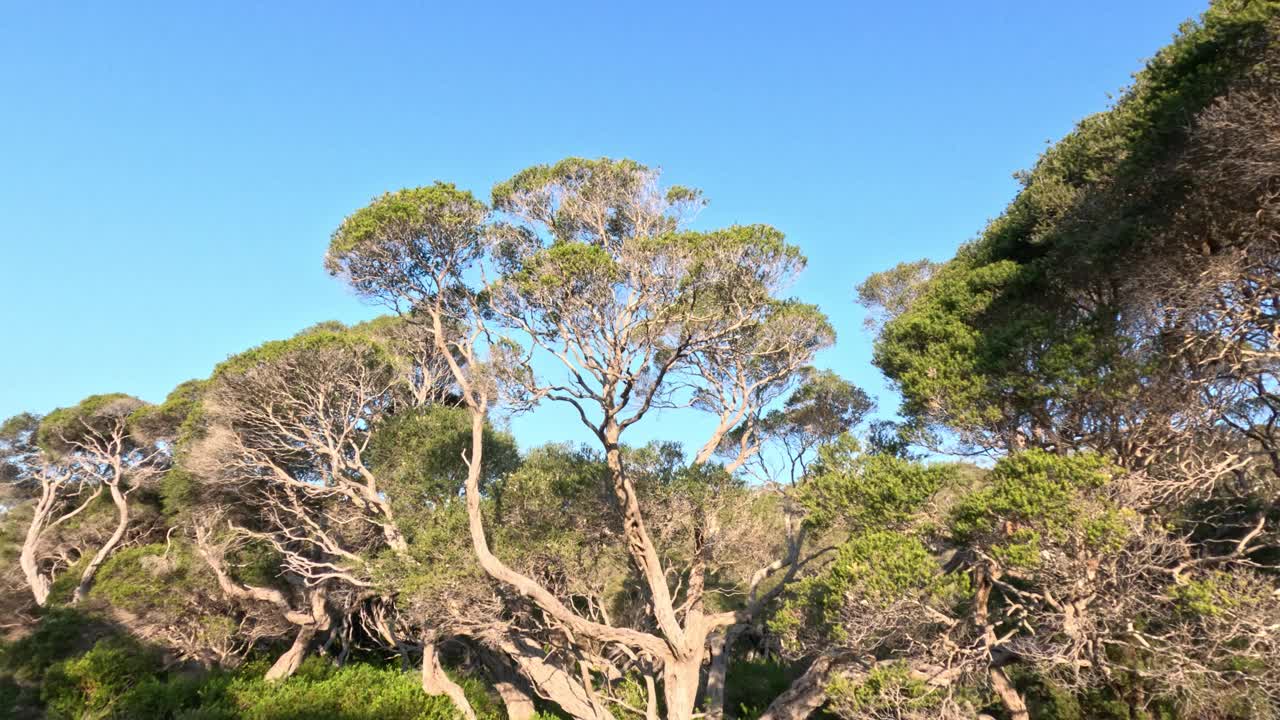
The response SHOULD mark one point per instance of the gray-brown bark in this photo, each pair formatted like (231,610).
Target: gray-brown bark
(1009,695)
(720,651)
(436,682)
(287,664)
(552,682)
(122,523)
(510,686)
(806,694)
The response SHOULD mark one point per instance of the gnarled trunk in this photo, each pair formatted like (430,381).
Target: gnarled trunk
(319,620)
(1009,695)
(436,682)
(288,663)
(517,700)
(122,523)
(36,580)
(553,682)
(806,694)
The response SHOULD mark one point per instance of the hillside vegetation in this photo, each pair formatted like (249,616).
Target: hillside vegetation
(340,525)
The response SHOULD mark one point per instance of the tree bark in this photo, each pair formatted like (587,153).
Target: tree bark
(640,545)
(122,524)
(1009,695)
(36,580)
(288,663)
(517,700)
(806,694)
(650,698)
(680,685)
(436,682)
(553,682)
(721,648)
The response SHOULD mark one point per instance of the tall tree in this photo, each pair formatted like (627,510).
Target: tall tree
(586,267)
(1124,304)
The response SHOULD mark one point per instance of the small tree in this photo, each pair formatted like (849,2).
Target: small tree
(67,460)
(281,446)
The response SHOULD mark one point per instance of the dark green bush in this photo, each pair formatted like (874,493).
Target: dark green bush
(93,684)
(119,678)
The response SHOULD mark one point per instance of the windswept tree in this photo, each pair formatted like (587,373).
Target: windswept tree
(283,433)
(67,461)
(584,287)
(885,610)
(1124,305)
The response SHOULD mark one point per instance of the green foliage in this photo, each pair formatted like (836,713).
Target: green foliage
(881,567)
(888,294)
(336,327)
(1021,320)
(572,268)
(17,425)
(884,687)
(61,635)
(404,242)
(354,692)
(552,478)
(117,677)
(1034,499)
(1216,595)
(165,419)
(822,408)
(179,490)
(411,211)
(550,506)
(1199,597)
(871,571)
(416,455)
(154,581)
(96,414)
(90,685)
(756,246)
(752,684)
(64,585)
(255,563)
(593,177)
(1032,488)
(360,347)
(868,491)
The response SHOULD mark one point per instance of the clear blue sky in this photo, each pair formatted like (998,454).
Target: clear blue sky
(170,172)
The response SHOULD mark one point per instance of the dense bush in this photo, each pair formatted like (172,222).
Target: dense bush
(51,674)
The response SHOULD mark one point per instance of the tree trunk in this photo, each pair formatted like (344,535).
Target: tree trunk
(122,524)
(680,686)
(37,581)
(512,690)
(436,682)
(553,682)
(643,552)
(1009,695)
(721,648)
(518,703)
(806,694)
(650,697)
(288,663)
